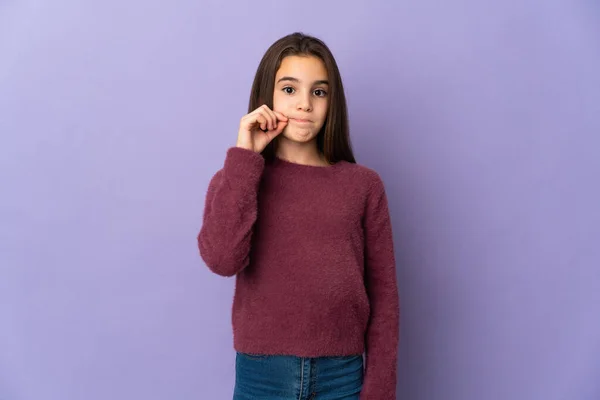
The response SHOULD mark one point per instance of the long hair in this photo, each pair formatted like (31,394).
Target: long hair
(333,140)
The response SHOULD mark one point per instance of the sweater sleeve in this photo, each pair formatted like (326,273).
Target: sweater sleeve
(230,211)
(382,335)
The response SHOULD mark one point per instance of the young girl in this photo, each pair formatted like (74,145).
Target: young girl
(306,231)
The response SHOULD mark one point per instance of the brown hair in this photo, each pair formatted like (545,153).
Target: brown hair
(333,141)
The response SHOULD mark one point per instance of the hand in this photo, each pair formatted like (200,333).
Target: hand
(259,127)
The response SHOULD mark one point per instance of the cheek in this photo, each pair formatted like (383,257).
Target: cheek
(279,103)
(323,110)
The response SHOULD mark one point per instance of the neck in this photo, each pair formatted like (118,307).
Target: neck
(300,153)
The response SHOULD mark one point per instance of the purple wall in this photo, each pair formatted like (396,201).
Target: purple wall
(483,120)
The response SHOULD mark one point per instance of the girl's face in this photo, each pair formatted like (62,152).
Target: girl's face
(301,94)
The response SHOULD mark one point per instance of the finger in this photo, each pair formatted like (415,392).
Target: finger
(273,134)
(255,112)
(270,120)
(280,116)
(280,127)
(261,121)
(251,118)
(273,116)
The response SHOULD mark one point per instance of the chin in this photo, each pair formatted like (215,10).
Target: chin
(301,136)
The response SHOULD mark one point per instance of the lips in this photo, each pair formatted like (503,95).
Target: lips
(300,120)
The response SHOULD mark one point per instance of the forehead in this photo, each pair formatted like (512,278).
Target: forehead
(304,68)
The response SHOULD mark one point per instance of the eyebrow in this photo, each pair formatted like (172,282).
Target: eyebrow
(292,79)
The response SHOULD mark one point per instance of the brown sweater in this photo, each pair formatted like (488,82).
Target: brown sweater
(312,251)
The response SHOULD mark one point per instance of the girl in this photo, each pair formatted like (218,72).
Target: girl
(306,231)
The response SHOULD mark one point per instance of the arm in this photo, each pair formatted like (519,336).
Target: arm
(381,338)
(230,212)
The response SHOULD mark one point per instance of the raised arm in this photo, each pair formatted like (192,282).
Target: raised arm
(230,212)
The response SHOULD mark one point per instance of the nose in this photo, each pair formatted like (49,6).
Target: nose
(304,103)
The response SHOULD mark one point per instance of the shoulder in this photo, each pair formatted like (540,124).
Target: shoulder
(366,177)
(216,178)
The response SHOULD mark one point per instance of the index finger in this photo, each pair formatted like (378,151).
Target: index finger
(280,115)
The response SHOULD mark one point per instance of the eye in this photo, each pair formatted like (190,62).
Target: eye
(285,89)
(320,93)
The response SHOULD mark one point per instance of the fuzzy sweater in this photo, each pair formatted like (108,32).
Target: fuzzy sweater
(312,252)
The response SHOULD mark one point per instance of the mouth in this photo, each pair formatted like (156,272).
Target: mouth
(301,121)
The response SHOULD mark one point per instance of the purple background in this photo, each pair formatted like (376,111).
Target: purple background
(483,118)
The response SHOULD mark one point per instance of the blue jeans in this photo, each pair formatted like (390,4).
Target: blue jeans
(282,377)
